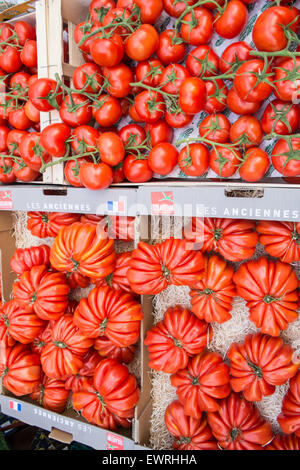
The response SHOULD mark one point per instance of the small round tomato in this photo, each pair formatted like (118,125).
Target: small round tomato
(19,83)
(77,112)
(239,106)
(107,110)
(10,60)
(255,165)
(32,152)
(150,10)
(53,139)
(28,54)
(87,77)
(119,78)
(202,62)
(232,20)
(149,72)
(7,174)
(6,31)
(280,117)
(192,95)
(172,77)
(71,171)
(178,119)
(149,106)
(143,43)
(224,161)
(216,96)
(13,141)
(170,50)
(136,169)
(24,31)
(95,175)
(233,55)
(176,8)
(287,80)
(107,52)
(111,148)
(45,94)
(97,7)
(253,80)
(23,172)
(4,131)
(246,132)
(163,158)
(285,157)
(32,112)
(193,159)
(84,139)
(215,127)
(132,136)
(18,119)
(197,27)
(159,132)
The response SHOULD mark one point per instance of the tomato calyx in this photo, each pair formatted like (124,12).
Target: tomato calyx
(100,12)
(5,320)
(217,234)
(101,399)
(76,264)
(295,236)
(33,298)
(45,218)
(176,341)
(206,292)
(256,369)
(234,433)
(60,344)
(166,272)
(42,393)
(102,326)
(184,440)
(268,299)
(5,372)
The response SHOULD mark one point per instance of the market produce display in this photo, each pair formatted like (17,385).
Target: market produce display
(154,72)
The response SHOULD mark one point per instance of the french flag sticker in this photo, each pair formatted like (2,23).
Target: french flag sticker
(14,405)
(116,206)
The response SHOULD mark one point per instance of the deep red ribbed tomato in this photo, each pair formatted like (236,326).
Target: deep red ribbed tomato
(259,364)
(118,279)
(51,394)
(237,425)
(211,298)
(202,383)
(42,292)
(271,291)
(25,258)
(155,267)
(40,341)
(18,324)
(189,433)
(106,348)
(280,239)
(284,442)
(90,362)
(110,313)
(289,418)
(48,224)
(177,337)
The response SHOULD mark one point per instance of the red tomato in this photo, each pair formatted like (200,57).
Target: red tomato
(10,60)
(114,17)
(150,10)
(202,62)
(159,132)
(32,112)
(149,72)
(118,173)
(150,106)
(45,88)
(107,110)
(192,95)
(132,136)
(96,6)
(288,89)
(88,77)
(234,54)
(280,117)
(197,28)
(53,139)
(119,79)
(246,131)
(19,83)
(163,158)
(28,54)
(215,127)
(239,106)
(286,159)
(111,148)
(7,174)
(247,84)
(32,152)
(23,172)
(24,31)
(83,30)
(76,113)
(107,51)
(84,139)
(136,169)
(95,175)
(13,141)
(193,160)
(216,96)
(172,77)
(18,119)
(178,120)
(176,8)
(233,20)
(168,51)
(224,161)
(143,43)
(4,131)
(255,165)
(71,171)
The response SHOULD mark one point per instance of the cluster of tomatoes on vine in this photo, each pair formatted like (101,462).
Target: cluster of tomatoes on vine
(161,84)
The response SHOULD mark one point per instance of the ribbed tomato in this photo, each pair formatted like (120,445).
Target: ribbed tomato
(83,248)
(63,355)
(237,425)
(106,348)
(20,369)
(40,341)
(25,258)
(117,226)
(204,381)
(177,337)
(118,279)
(21,325)
(284,442)
(110,313)
(280,239)
(88,402)
(42,292)
(154,267)
(211,298)
(289,418)
(271,291)
(259,364)
(234,239)
(77,280)
(51,394)
(48,224)
(90,362)
(189,433)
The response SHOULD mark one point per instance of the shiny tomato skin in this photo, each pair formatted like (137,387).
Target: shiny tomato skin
(176,9)
(10,60)
(107,52)
(111,148)
(41,88)
(246,82)
(216,92)
(71,171)
(32,112)
(249,129)
(271,122)
(144,68)
(132,135)
(235,52)
(202,32)
(96,5)
(24,173)
(284,164)
(255,165)
(53,139)
(239,106)
(172,78)
(85,28)
(7,174)
(119,77)
(224,161)
(202,61)
(192,95)
(287,90)
(159,132)
(24,31)
(4,131)
(194,159)
(84,139)
(28,54)
(163,158)
(143,43)
(85,71)
(137,170)
(79,117)
(148,114)
(18,119)
(13,141)
(215,127)
(95,175)
(31,150)
(107,110)
(150,10)
(169,52)
(234,19)
(178,120)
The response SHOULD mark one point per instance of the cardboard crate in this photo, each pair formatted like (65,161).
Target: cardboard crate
(70,426)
